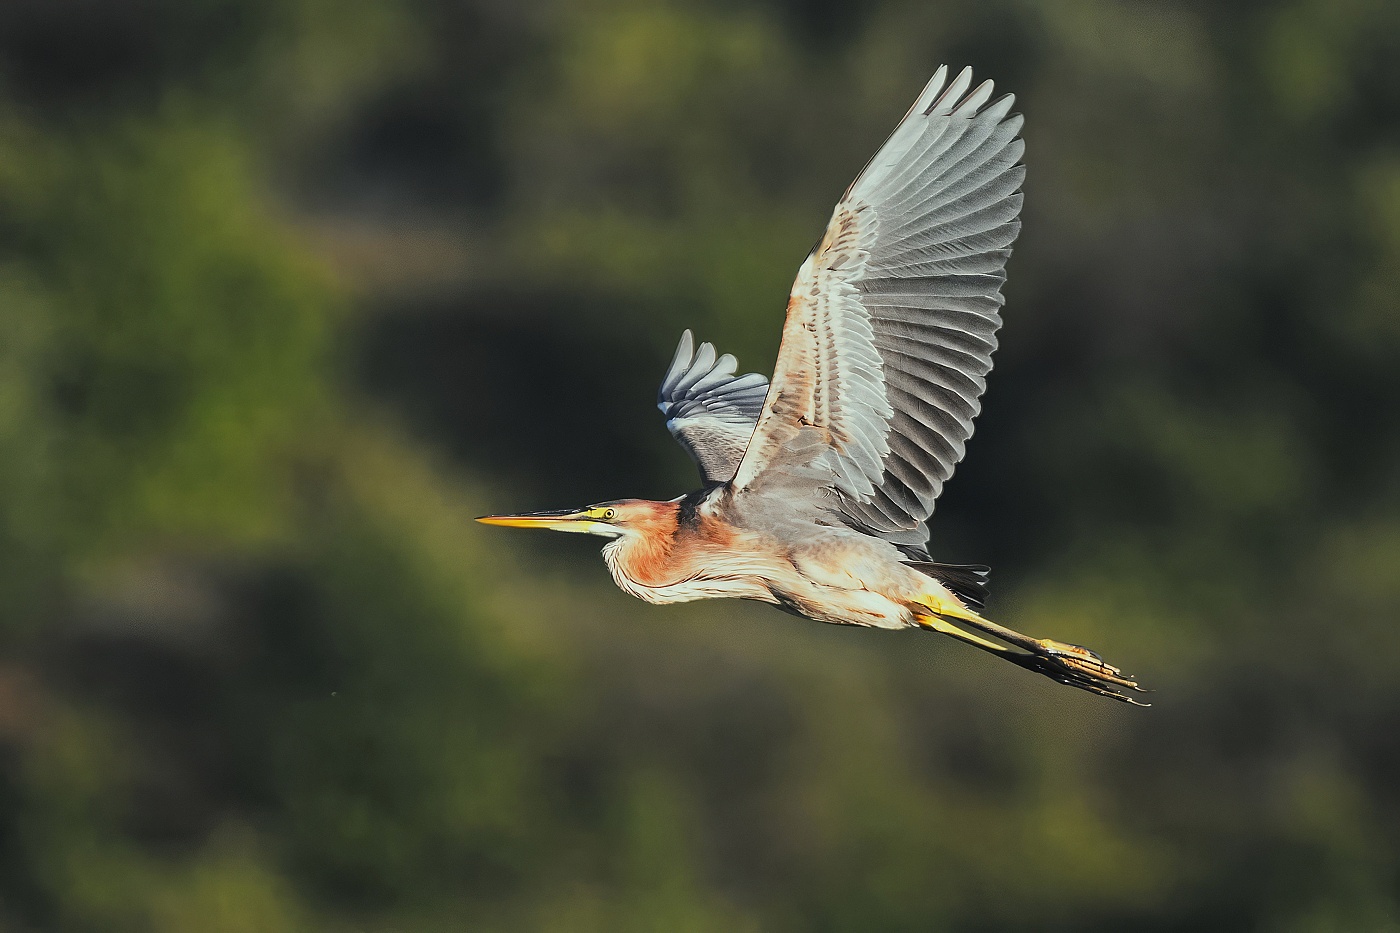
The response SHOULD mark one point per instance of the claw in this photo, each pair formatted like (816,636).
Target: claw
(1076,666)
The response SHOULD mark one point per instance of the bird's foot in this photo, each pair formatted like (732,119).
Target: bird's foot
(1077,666)
(1071,665)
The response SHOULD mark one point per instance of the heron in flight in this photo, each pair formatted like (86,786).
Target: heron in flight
(818,487)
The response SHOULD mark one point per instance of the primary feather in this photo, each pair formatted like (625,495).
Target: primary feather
(892,319)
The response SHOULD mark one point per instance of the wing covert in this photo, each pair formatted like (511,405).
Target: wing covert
(709,410)
(892,319)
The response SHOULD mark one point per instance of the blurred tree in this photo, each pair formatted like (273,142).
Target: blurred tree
(286,289)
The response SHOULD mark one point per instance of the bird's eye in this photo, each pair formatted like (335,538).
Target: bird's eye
(609,514)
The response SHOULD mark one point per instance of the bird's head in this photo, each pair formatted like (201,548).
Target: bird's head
(624,517)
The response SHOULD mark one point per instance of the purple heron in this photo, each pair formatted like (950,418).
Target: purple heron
(818,487)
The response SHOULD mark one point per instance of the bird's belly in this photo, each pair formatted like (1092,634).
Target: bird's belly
(845,606)
(815,601)
(843,582)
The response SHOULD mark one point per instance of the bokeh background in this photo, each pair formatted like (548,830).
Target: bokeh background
(292,289)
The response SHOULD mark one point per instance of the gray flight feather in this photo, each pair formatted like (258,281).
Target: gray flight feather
(893,317)
(708,409)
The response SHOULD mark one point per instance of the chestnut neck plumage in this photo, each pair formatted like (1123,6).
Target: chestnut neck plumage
(643,557)
(665,557)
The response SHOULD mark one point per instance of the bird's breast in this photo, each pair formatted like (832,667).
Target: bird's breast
(691,567)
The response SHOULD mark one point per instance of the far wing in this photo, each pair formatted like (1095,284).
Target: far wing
(893,317)
(708,409)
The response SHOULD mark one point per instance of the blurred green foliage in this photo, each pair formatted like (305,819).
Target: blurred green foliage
(289,291)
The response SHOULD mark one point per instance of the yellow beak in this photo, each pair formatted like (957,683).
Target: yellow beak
(566,520)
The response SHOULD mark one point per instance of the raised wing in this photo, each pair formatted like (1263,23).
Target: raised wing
(708,409)
(893,317)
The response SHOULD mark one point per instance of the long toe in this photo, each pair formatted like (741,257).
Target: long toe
(1076,666)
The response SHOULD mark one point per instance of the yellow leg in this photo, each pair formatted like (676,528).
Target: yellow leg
(1068,664)
(943,626)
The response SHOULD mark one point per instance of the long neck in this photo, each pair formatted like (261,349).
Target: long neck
(665,560)
(646,556)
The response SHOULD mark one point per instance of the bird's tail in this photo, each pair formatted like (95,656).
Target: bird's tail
(969,581)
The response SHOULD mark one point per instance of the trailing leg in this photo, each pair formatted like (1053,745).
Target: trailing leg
(1072,665)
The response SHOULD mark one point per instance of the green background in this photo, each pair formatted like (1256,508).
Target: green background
(292,289)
